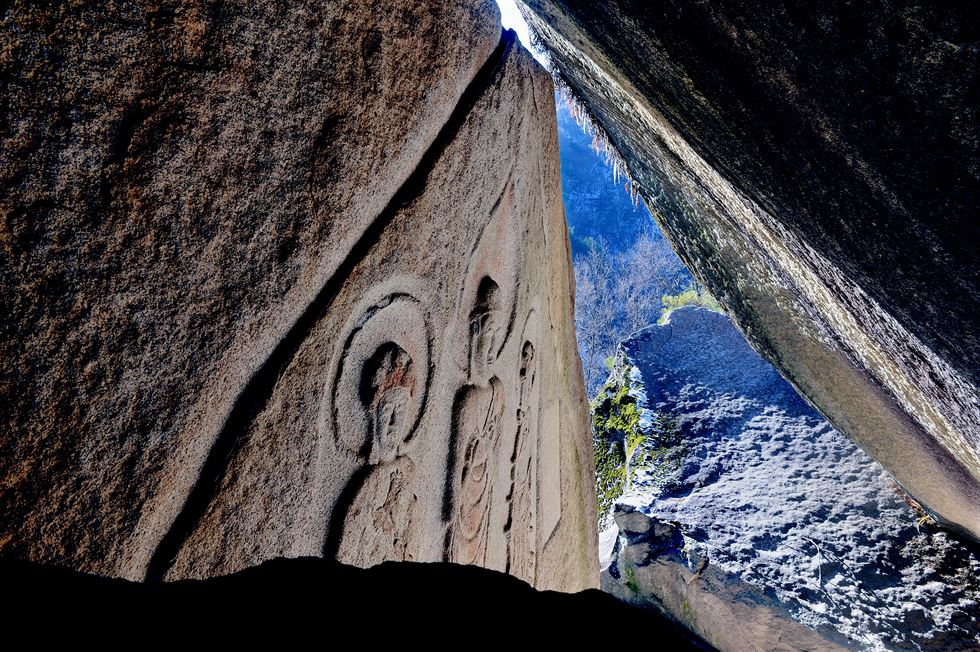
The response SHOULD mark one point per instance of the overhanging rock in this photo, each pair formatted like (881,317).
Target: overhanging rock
(816,167)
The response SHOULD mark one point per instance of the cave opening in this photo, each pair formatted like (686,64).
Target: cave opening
(706,454)
(627,276)
(300,280)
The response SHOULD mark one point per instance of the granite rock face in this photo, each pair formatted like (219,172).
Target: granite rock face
(768,529)
(285,281)
(816,167)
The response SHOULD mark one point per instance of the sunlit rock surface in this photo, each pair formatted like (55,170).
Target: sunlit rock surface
(768,529)
(815,164)
(285,280)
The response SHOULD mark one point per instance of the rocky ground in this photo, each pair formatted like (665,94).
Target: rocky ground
(766,505)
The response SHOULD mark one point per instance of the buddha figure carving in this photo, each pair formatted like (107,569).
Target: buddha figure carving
(377,524)
(381,511)
(387,386)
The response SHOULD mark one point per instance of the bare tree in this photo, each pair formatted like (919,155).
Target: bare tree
(645,272)
(595,308)
(619,293)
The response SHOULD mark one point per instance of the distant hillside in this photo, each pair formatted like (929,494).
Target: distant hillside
(623,264)
(595,206)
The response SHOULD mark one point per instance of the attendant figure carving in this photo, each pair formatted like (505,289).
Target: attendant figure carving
(522,501)
(478,412)
(486,329)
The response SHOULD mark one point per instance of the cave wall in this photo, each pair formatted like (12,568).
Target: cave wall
(816,167)
(285,281)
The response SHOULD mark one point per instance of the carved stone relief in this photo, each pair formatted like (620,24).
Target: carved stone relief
(378,397)
(380,516)
(312,359)
(475,449)
(476,429)
(522,502)
(382,380)
(387,385)
(487,330)
(488,298)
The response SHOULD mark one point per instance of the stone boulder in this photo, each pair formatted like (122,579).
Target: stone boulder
(765,528)
(816,166)
(285,281)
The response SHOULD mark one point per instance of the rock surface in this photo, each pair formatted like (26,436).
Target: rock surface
(816,166)
(769,529)
(284,281)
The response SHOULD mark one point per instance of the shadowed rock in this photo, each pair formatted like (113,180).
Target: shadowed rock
(294,601)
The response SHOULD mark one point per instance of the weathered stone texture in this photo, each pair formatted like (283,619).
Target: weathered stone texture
(763,528)
(816,166)
(254,255)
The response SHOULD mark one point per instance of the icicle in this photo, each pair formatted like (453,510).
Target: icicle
(601,144)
